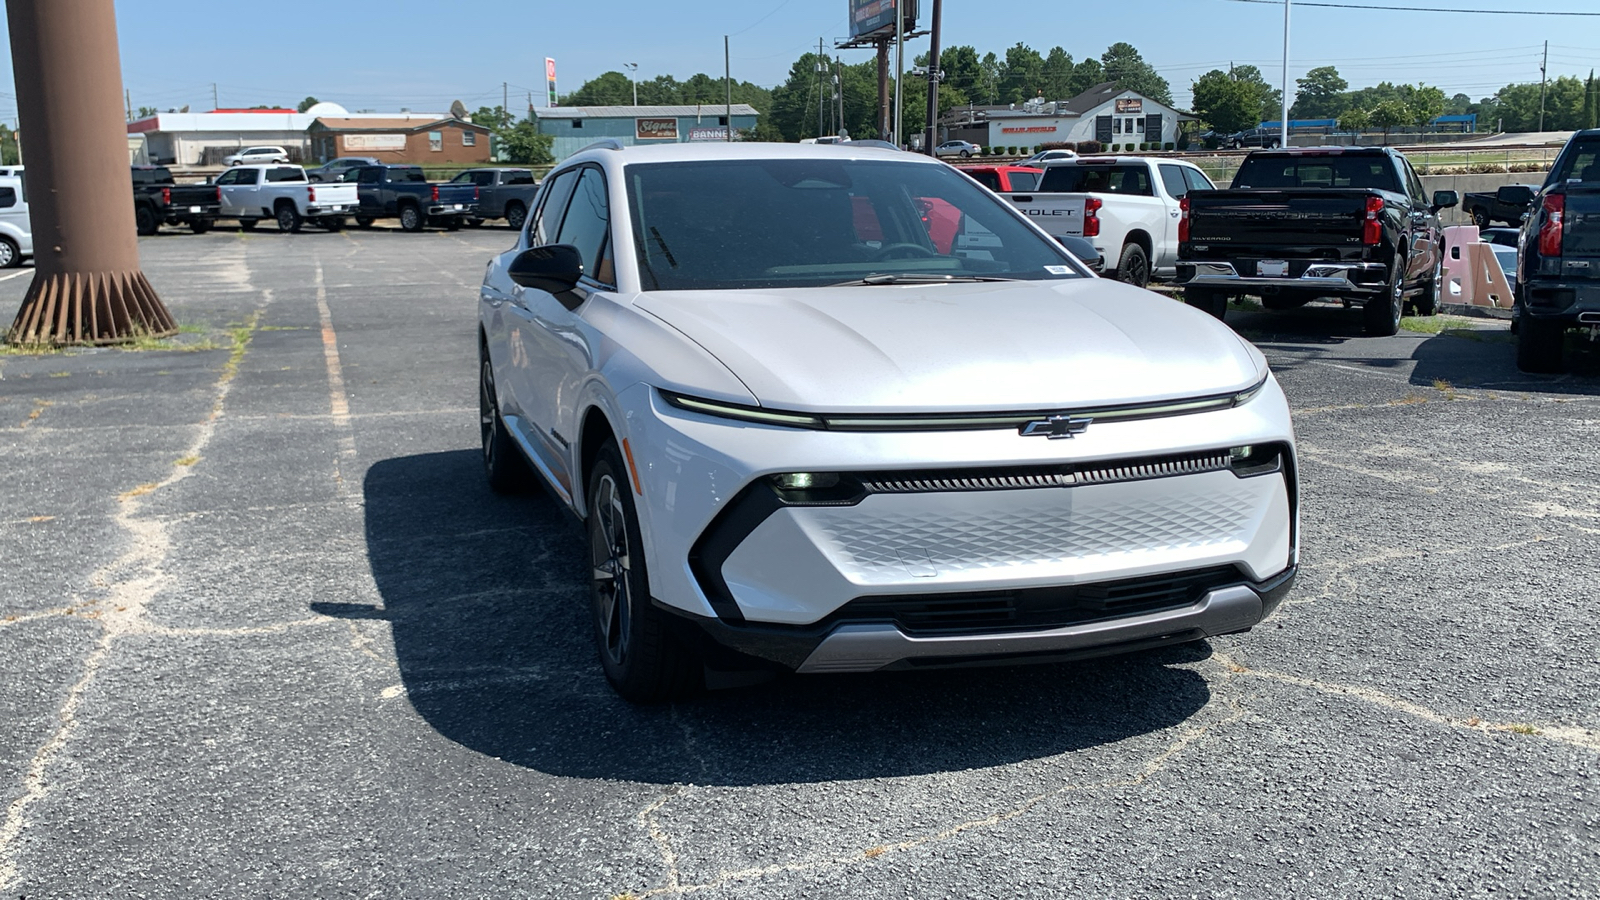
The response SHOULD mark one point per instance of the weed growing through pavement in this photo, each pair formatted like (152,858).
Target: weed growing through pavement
(1445,388)
(187,461)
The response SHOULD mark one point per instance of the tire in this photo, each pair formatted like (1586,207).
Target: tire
(516,214)
(1539,346)
(364,221)
(643,658)
(1480,217)
(453,223)
(332,223)
(1381,315)
(474,223)
(965,154)
(411,218)
(289,220)
(10,255)
(1427,302)
(247,224)
(1134,267)
(145,220)
(1208,300)
(1272,145)
(504,466)
(200,226)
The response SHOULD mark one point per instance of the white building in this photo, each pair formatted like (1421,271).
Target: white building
(1104,113)
(203,139)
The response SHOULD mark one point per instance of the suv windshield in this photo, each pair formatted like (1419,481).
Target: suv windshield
(811,222)
(1317,172)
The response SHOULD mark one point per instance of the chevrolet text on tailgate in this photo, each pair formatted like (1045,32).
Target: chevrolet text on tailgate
(1558,266)
(1127,206)
(1349,223)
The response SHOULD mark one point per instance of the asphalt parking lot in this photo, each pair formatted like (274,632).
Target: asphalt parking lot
(265,632)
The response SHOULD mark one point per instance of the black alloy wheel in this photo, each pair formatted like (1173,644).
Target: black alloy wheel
(1381,315)
(516,214)
(289,220)
(503,464)
(1134,267)
(643,658)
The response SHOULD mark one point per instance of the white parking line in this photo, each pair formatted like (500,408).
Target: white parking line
(16,275)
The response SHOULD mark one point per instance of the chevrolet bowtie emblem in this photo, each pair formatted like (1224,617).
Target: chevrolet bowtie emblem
(1056,427)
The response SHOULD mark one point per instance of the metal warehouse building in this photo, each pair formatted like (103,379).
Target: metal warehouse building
(576,127)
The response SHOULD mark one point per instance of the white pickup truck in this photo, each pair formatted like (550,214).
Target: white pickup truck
(1127,206)
(253,193)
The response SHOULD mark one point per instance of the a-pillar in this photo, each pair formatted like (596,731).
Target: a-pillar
(87,285)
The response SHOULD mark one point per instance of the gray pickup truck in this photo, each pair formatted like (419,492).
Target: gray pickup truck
(502,194)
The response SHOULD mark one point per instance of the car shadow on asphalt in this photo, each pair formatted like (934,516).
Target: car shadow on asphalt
(486,597)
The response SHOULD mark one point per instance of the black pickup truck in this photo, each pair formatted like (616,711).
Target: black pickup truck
(1505,204)
(1348,223)
(404,193)
(1558,262)
(158,200)
(502,193)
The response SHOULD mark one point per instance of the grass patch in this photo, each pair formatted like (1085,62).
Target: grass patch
(60,374)
(139,491)
(1245,304)
(284,328)
(1522,729)
(1445,388)
(190,328)
(187,460)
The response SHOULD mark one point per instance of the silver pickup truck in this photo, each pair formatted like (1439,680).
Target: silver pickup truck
(283,193)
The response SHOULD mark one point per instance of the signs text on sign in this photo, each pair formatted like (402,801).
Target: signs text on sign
(374,142)
(655,129)
(1030,129)
(708,133)
(1130,105)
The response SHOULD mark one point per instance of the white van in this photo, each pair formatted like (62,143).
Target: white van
(16,232)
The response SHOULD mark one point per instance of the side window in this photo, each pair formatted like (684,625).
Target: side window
(1413,184)
(8,197)
(435,140)
(1197,180)
(370,176)
(1172,180)
(483,179)
(588,222)
(542,227)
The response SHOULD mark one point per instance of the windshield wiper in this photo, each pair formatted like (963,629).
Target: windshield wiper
(919,278)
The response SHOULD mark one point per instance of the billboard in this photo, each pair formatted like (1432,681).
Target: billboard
(550,81)
(1130,105)
(374,142)
(708,133)
(871,16)
(655,129)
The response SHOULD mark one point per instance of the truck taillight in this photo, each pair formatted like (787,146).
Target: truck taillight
(1372,226)
(1091,221)
(1553,223)
(311,193)
(219,195)
(1183,221)
(477,194)
(166,196)
(436,193)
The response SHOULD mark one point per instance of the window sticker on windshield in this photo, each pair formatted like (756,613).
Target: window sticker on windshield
(1058,270)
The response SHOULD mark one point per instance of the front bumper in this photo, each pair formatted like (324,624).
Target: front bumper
(1316,276)
(765,577)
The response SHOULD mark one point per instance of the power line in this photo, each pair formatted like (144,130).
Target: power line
(1432,9)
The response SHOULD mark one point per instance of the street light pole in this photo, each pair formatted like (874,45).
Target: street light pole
(633,76)
(1283,122)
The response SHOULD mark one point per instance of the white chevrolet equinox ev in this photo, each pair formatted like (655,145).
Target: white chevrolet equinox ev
(838,409)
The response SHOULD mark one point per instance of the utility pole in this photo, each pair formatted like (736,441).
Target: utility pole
(838,91)
(1542,64)
(215,103)
(727,84)
(505,101)
(882,45)
(932,137)
(899,63)
(820,100)
(1284,112)
(127,98)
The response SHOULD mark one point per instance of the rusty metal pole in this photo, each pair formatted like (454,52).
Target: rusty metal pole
(884,131)
(87,285)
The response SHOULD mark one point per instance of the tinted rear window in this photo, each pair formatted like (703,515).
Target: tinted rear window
(159,175)
(1580,162)
(407,175)
(990,180)
(1318,172)
(284,173)
(1096,180)
(1024,181)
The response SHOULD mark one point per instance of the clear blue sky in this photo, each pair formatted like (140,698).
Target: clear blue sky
(422,54)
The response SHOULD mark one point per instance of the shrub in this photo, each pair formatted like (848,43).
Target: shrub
(1144,145)
(1090,147)
(1011,151)
(1167,146)
(1056,145)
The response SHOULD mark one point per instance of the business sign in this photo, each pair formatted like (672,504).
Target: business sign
(374,142)
(871,16)
(1130,105)
(550,81)
(708,133)
(1017,129)
(655,129)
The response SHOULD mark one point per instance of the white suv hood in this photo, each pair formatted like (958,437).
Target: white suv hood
(961,347)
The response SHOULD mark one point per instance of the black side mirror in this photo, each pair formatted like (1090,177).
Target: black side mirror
(1083,250)
(553,268)
(1445,199)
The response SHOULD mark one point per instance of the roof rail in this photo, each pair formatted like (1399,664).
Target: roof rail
(604,144)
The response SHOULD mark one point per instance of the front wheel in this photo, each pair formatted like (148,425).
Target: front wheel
(411,219)
(645,661)
(1209,300)
(504,466)
(1480,217)
(364,221)
(1539,345)
(145,221)
(516,214)
(1134,267)
(200,226)
(10,255)
(1381,315)
(289,220)
(247,224)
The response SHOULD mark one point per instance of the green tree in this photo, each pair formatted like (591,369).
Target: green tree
(495,117)
(609,89)
(1086,74)
(1225,103)
(1127,68)
(1591,110)
(1058,69)
(524,144)
(146,112)
(963,72)
(1271,98)
(1355,119)
(1319,95)
(306,104)
(990,71)
(1426,103)
(1391,113)
(1022,78)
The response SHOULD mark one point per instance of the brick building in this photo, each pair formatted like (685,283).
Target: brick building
(446,141)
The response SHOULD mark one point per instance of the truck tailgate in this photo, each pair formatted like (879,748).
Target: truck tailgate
(333,193)
(457,193)
(1057,214)
(1580,237)
(1252,222)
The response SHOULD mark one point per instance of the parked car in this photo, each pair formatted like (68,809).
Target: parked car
(284,194)
(158,200)
(1508,237)
(404,193)
(335,169)
(1507,203)
(502,194)
(759,395)
(16,229)
(962,149)
(1127,205)
(1005,178)
(1353,223)
(1270,138)
(256,156)
(1044,156)
(1558,263)
(1507,258)
(871,142)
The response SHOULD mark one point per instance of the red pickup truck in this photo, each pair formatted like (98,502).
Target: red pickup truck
(1003,179)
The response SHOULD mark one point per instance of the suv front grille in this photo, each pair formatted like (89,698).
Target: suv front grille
(1036,608)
